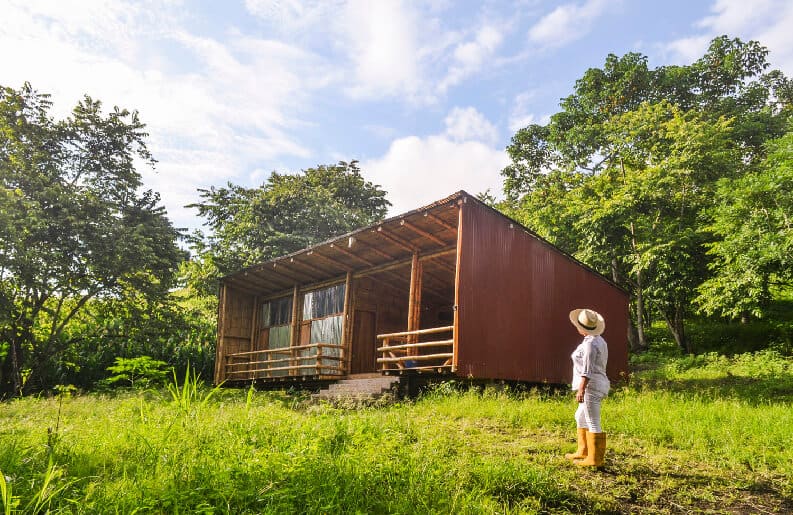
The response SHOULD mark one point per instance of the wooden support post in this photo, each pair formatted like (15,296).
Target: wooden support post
(346,329)
(294,334)
(220,370)
(457,264)
(254,329)
(414,301)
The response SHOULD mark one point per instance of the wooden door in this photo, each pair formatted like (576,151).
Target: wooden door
(364,343)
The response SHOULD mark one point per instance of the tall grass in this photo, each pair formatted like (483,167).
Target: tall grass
(489,451)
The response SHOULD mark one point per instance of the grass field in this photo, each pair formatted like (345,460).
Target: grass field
(690,434)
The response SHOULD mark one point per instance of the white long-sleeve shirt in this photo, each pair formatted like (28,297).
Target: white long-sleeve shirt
(589,360)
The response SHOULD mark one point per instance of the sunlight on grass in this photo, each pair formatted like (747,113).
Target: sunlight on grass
(468,451)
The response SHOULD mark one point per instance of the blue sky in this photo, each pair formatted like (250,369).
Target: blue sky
(425,94)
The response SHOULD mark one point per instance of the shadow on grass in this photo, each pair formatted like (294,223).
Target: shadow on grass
(755,391)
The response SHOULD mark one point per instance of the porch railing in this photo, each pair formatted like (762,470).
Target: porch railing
(404,351)
(316,359)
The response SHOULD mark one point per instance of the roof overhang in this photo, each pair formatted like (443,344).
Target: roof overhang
(430,231)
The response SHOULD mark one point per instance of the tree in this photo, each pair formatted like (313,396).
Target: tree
(753,220)
(74,224)
(287,213)
(649,145)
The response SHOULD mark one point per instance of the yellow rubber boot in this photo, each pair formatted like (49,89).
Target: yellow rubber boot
(596,443)
(581,452)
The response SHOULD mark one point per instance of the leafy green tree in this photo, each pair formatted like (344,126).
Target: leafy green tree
(74,224)
(753,219)
(287,213)
(628,131)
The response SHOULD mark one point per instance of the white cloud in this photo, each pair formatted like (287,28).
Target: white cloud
(566,23)
(382,42)
(521,116)
(238,105)
(468,124)
(766,21)
(417,171)
(392,48)
(470,56)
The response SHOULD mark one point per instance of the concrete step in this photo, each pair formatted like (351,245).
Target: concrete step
(361,389)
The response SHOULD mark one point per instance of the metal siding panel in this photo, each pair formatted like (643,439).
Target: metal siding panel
(515,294)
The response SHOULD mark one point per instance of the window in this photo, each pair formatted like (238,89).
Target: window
(276,312)
(323,303)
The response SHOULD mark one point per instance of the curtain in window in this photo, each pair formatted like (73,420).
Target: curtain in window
(324,302)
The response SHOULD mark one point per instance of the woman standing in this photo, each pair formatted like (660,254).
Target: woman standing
(591,385)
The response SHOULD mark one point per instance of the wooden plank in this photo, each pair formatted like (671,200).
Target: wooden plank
(278,369)
(439,343)
(289,349)
(420,331)
(281,360)
(422,357)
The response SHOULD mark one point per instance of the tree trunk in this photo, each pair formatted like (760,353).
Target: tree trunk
(640,337)
(11,372)
(674,321)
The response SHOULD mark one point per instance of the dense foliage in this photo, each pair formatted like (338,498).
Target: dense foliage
(649,175)
(75,227)
(287,213)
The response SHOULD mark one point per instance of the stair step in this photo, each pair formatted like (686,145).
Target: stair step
(358,389)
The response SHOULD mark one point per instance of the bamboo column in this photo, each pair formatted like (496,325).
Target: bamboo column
(414,301)
(346,329)
(220,367)
(294,333)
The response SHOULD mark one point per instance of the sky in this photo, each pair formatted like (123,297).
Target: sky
(425,94)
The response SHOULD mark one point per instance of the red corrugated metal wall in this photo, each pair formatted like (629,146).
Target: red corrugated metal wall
(515,293)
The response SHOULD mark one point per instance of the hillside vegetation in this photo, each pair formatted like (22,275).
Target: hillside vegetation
(706,434)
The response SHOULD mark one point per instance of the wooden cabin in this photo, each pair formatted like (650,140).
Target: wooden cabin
(452,289)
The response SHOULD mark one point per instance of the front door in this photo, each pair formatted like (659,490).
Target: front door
(364,343)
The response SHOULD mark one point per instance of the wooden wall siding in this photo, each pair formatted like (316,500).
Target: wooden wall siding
(234,326)
(515,292)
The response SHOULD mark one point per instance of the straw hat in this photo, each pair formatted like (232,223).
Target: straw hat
(588,321)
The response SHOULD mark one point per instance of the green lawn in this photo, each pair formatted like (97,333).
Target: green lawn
(706,434)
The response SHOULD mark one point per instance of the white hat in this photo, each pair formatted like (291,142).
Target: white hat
(588,321)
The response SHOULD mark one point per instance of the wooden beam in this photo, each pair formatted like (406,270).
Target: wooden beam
(330,260)
(395,239)
(280,269)
(351,255)
(405,262)
(376,250)
(440,222)
(422,232)
(314,270)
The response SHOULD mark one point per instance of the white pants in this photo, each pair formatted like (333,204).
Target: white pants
(587,416)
